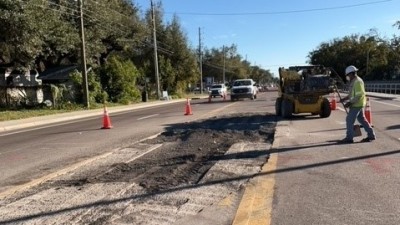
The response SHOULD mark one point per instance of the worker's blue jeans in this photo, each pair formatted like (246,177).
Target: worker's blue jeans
(357,113)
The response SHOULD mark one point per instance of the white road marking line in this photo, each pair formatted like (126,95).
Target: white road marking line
(146,117)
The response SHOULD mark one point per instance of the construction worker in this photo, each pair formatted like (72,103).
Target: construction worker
(356,102)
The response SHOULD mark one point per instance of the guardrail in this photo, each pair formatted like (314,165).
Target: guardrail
(383,87)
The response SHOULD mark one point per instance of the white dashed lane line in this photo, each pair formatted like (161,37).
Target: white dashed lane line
(146,117)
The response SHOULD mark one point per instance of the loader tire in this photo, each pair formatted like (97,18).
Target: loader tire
(325,108)
(278,107)
(287,108)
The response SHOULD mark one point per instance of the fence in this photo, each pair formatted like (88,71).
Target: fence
(383,87)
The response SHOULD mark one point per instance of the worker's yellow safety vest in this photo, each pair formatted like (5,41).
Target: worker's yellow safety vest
(357,93)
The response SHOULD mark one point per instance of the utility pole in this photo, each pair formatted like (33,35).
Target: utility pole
(83,58)
(369,49)
(223,70)
(155,50)
(200,63)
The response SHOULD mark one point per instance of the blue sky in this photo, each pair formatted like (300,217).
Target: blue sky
(274,33)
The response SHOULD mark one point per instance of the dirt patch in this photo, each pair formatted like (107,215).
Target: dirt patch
(188,151)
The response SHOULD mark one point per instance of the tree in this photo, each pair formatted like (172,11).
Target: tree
(182,58)
(368,53)
(118,78)
(227,58)
(23,30)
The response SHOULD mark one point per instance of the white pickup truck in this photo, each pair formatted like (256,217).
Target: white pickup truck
(218,90)
(243,88)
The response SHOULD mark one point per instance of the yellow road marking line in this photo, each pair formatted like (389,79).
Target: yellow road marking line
(256,205)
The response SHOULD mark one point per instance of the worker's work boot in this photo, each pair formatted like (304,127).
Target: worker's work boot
(346,141)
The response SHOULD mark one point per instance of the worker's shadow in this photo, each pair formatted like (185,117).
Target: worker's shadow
(394,127)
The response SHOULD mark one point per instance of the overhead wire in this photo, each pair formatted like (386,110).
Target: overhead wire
(281,12)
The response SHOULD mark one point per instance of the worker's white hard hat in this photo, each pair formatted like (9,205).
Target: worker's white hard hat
(350,69)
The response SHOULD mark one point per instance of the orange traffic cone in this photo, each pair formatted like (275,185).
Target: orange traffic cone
(333,101)
(188,108)
(368,115)
(106,119)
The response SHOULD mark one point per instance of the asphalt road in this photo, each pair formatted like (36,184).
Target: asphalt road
(28,154)
(312,179)
(148,180)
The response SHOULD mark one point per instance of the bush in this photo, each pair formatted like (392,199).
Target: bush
(96,93)
(118,78)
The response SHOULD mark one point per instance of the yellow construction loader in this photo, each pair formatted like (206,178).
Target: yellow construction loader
(303,89)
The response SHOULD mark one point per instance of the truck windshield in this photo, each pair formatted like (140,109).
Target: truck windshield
(242,83)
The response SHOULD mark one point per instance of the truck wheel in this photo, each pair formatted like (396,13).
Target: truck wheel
(287,108)
(325,108)
(278,107)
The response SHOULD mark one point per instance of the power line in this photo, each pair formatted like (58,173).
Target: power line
(281,12)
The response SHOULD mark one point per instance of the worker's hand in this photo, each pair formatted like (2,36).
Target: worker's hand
(347,105)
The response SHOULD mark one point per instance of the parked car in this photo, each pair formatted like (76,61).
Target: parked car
(218,90)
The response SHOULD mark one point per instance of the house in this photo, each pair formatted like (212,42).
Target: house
(19,87)
(29,87)
(59,76)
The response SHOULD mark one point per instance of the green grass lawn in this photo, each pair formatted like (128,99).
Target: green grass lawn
(27,113)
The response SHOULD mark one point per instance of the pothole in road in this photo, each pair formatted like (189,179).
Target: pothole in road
(189,150)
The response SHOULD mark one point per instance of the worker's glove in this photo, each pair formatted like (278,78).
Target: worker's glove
(342,100)
(347,104)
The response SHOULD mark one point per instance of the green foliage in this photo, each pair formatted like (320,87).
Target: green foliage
(377,58)
(96,93)
(118,78)
(20,32)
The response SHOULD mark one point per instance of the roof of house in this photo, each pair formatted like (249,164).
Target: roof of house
(57,73)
